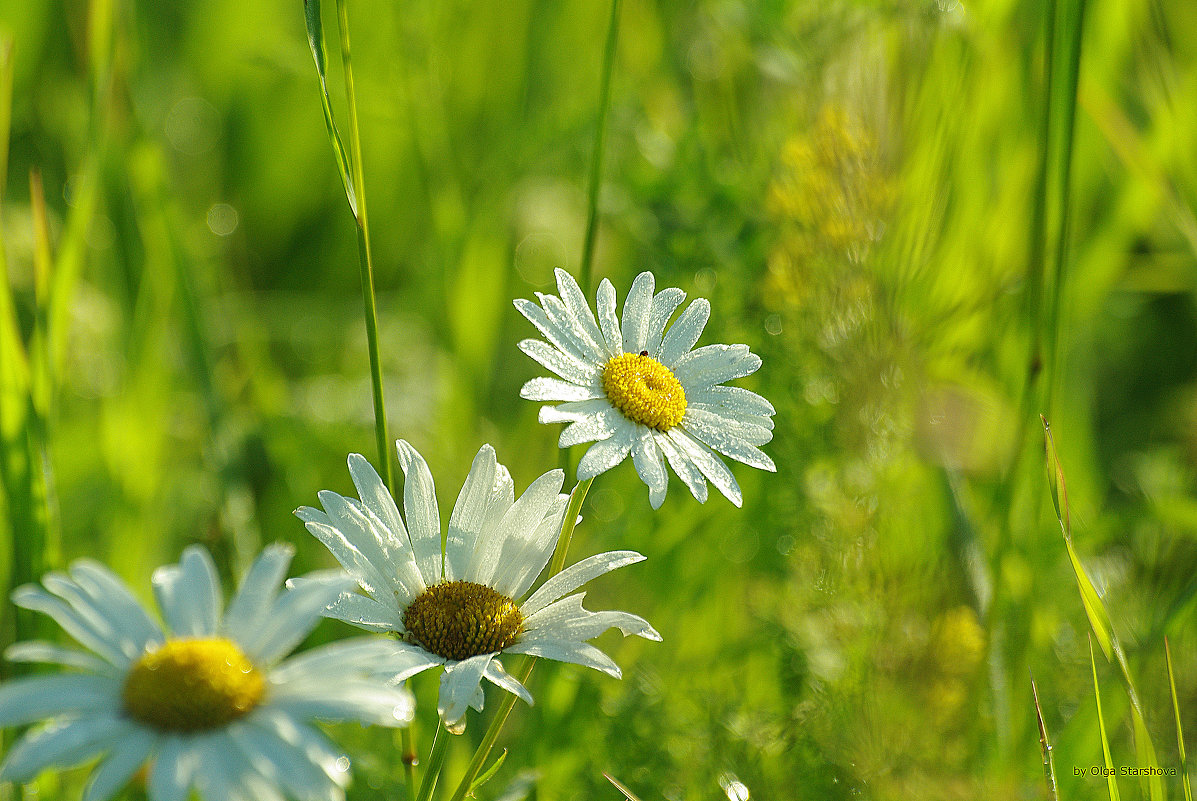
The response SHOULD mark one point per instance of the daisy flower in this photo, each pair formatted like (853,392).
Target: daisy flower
(632,386)
(209,702)
(459,609)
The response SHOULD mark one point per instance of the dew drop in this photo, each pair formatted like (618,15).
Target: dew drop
(342,764)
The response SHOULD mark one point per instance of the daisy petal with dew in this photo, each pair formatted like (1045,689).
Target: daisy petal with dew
(635,388)
(209,700)
(461,612)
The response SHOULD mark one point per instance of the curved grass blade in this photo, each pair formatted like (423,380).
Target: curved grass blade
(311,16)
(1180,737)
(1101,727)
(1049,763)
(621,788)
(489,773)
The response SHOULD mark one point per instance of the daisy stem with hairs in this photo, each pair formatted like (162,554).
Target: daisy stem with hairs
(496,725)
(436,761)
(366,267)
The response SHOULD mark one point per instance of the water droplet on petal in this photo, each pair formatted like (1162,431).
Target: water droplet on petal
(342,764)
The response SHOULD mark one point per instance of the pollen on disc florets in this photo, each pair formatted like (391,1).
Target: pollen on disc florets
(460,619)
(192,684)
(645,390)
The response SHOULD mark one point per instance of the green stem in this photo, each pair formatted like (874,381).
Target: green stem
(594,179)
(365,253)
(496,725)
(436,761)
(366,268)
(596,161)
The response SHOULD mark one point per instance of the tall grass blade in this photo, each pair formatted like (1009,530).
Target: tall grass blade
(1099,619)
(1101,727)
(621,787)
(489,773)
(1045,746)
(311,16)
(1180,737)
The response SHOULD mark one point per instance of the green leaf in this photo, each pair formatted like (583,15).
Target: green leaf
(1045,746)
(311,15)
(1180,737)
(489,773)
(1101,727)
(621,788)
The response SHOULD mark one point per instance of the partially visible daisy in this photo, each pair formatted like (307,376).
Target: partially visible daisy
(460,609)
(633,387)
(209,702)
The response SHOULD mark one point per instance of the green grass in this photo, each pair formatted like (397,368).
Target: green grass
(934,226)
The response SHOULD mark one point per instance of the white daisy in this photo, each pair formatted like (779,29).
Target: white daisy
(459,608)
(210,702)
(633,387)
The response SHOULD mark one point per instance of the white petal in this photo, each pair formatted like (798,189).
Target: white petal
(600,425)
(565,340)
(567,620)
(225,773)
(664,304)
(365,533)
(423,515)
(501,498)
(554,389)
(578,653)
(366,701)
(574,410)
(390,661)
(501,678)
(310,745)
(127,755)
(284,763)
(734,399)
(752,429)
(378,500)
(575,303)
(294,614)
(90,632)
(575,576)
(710,465)
(651,467)
(684,332)
(189,594)
(366,573)
(469,513)
(114,601)
(636,308)
(63,744)
(569,327)
(720,438)
(685,469)
(257,591)
(366,613)
(569,367)
(608,322)
(604,455)
(53,653)
(173,771)
(96,614)
(461,688)
(524,556)
(36,697)
(714,364)
(520,520)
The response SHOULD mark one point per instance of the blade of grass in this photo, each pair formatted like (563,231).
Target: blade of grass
(1101,727)
(1099,619)
(1180,737)
(628,794)
(1045,746)
(315,27)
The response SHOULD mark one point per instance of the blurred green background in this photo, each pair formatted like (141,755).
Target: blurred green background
(856,188)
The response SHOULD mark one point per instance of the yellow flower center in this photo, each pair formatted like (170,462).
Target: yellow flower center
(644,390)
(190,685)
(460,619)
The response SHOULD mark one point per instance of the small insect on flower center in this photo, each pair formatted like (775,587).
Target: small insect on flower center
(644,390)
(460,619)
(189,685)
